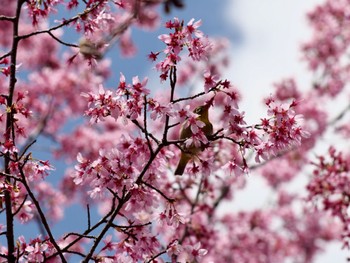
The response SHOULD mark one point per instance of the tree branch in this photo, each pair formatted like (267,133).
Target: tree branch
(8,132)
(64,23)
(7,18)
(170,200)
(41,215)
(62,42)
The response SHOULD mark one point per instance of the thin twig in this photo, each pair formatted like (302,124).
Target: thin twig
(88,215)
(155,256)
(79,235)
(10,176)
(21,205)
(170,200)
(64,23)
(5,55)
(86,232)
(106,227)
(62,42)
(145,131)
(41,215)
(132,226)
(198,94)
(124,199)
(172,77)
(7,18)
(26,149)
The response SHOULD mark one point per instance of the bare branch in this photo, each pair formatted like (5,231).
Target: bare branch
(7,18)
(21,205)
(131,226)
(62,42)
(64,23)
(41,215)
(145,131)
(79,235)
(5,55)
(156,256)
(88,215)
(198,94)
(170,200)
(10,176)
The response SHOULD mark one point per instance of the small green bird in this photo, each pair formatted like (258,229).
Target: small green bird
(186,132)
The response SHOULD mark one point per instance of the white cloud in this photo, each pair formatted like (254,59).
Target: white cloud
(272,32)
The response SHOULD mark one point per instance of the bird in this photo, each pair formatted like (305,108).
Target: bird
(89,49)
(187,153)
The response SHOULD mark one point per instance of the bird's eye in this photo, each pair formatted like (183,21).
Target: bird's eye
(198,110)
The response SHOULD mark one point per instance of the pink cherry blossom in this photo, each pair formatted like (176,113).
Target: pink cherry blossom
(116,141)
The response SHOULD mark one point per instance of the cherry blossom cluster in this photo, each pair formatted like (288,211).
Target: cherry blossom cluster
(257,234)
(127,102)
(329,187)
(278,133)
(291,160)
(36,250)
(326,54)
(184,36)
(283,127)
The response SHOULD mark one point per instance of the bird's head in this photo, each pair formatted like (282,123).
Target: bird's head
(203,110)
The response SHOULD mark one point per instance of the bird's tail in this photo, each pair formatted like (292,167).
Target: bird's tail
(184,159)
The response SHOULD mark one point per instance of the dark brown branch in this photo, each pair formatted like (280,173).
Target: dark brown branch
(86,232)
(3,256)
(109,223)
(111,38)
(278,155)
(26,148)
(172,77)
(40,225)
(148,164)
(21,205)
(10,176)
(145,131)
(198,94)
(8,132)
(5,55)
(41,215)
(124,199)
(131,226)
(7,18)
(156,256)
(170,200)
(64,23)
(62,42)
(88,216)
(79,235)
